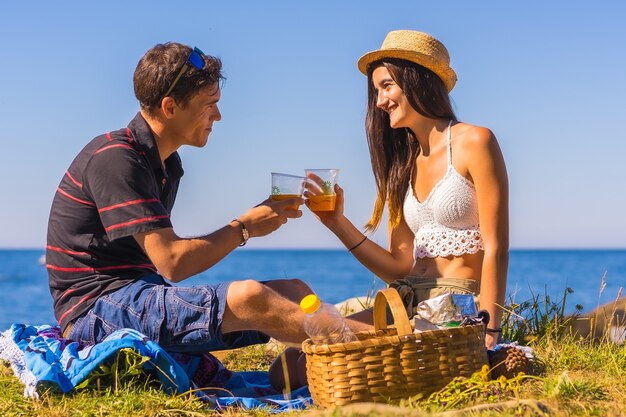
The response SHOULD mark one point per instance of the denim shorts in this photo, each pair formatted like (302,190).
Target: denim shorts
(179,319)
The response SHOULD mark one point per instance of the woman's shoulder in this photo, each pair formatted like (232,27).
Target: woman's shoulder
(470,137)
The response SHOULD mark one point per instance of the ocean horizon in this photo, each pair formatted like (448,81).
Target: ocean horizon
(596,276)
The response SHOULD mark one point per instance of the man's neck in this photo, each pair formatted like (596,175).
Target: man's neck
(165,145)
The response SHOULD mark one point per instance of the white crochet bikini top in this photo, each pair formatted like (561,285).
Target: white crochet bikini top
(446,223)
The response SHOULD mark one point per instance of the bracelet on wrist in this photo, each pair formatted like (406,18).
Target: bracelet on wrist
(490,330)
(245,235)
(358,244)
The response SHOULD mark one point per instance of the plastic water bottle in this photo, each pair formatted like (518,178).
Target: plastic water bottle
(324,323)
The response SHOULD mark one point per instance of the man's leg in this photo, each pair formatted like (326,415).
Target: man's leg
(292,289)
(251,305)
(273,308)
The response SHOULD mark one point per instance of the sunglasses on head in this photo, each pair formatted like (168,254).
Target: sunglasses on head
(196,59)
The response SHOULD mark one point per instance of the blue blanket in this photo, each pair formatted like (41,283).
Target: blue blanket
(40,356)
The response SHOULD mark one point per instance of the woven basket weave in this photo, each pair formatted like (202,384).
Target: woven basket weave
(391,363)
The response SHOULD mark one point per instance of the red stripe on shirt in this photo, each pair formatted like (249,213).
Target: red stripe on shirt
(69,252)
(117,145)
(71,290)
(78,200)
(130,137)
(78,184)
(129,223)
(109,137)
(129,203)
(85,298)
(63,269)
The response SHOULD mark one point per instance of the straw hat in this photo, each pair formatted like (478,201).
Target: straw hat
(418,47)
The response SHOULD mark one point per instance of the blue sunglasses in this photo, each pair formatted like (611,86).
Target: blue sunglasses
(196,59)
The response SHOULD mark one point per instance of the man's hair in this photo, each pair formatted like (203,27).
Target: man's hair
(158,68)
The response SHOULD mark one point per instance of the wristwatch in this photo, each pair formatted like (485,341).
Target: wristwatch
(244,232)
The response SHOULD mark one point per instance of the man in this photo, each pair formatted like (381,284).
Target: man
(111,242)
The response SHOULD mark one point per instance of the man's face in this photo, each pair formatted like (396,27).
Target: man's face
(195,121)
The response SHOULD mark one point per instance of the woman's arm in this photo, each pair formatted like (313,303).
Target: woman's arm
(488,172)
(388,264)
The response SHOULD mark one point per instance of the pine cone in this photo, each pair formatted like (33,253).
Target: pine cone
(508,361)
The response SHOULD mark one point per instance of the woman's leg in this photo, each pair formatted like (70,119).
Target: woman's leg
(292,289)
(366,316)
(288,372)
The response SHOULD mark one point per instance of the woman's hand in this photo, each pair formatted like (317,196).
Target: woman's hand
(491,340)
(315,187)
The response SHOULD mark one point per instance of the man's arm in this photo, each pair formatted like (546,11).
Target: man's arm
(178,258)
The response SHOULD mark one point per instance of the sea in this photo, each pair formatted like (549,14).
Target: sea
(595,276)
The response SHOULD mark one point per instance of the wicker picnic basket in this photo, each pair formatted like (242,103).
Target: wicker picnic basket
(391,363)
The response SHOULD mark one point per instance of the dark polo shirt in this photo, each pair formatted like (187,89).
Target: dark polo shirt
(115,187)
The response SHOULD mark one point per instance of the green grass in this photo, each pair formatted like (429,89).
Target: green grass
(572,376)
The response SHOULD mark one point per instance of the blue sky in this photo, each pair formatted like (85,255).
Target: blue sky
(548,78)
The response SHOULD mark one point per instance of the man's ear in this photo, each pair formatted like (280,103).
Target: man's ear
(168,104)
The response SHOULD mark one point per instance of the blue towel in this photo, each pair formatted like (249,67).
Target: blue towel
(39,355)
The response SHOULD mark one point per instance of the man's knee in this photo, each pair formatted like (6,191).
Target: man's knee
(247,295)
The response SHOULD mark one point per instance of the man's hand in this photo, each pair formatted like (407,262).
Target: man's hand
(178,258)
(269,215)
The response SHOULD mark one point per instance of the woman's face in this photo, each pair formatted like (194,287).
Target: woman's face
(391,99)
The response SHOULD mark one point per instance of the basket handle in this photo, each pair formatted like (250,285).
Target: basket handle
(389,296)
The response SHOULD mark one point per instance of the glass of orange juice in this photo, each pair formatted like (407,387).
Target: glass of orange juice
(322,182)
(286,186)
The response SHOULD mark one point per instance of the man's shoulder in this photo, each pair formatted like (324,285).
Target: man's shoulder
(110,154)
(118,141)
(103,140)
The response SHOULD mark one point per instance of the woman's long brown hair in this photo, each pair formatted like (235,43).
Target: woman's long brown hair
(393,151)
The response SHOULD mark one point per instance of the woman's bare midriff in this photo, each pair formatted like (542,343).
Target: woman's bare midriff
(466,266)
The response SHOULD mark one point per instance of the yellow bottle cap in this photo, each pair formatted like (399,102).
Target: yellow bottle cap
(310,304)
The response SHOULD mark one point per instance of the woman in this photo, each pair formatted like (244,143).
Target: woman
(444,183)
